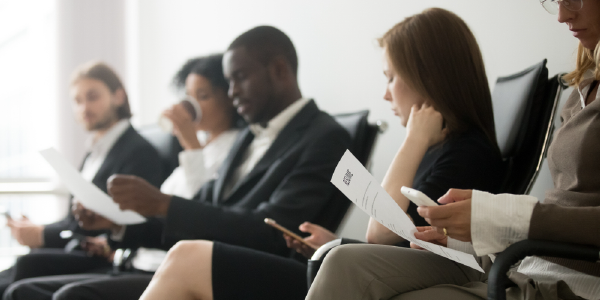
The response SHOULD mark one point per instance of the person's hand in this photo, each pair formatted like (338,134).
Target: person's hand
(90,220)
(455,195)
(97,246)
(455,217)
(184,128)
(425,123)
(318,237)
(429,234)
(26,233)
(134,193)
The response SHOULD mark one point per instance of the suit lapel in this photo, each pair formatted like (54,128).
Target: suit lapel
(111,157)
(289,136)
(232,162)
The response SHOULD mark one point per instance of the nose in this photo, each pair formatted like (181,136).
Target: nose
(387,96)
(564,15)
(233,90)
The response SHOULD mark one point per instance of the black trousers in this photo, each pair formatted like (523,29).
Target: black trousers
(48,262)
(80,286)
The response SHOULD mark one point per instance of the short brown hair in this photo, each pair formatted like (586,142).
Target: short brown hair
(436,54)
(101,71)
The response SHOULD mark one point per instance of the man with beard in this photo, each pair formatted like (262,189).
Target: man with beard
(101,106)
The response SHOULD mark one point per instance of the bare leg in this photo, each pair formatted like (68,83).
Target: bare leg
(186,273)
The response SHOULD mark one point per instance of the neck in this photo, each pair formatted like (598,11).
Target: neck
(99,133)
(284,102)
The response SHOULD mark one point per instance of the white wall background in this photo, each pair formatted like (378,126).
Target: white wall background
(340,63)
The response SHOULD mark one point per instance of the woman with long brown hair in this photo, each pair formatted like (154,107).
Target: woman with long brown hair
(488,224)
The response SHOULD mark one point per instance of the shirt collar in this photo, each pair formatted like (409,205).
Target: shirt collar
(585,84)
(276,124)
(106,142)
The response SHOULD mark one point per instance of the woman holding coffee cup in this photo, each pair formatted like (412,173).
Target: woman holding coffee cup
(205,123)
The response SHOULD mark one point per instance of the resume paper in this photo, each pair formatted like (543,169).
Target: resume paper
(87,193)
(354,181)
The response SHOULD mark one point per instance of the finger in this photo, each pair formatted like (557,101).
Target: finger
(435,212)
(430,235)
(415,246)
(423,228)
(309,227)
(120,179)
(455,195)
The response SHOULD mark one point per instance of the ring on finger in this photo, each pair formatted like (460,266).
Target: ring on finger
(445,231)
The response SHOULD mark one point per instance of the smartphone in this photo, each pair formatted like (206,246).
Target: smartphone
(272,222)
(417,197)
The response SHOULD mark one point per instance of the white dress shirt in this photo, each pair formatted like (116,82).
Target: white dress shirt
(197,166)
(98,149)
(263,138)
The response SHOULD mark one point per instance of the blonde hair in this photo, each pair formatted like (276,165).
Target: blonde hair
(437,55)
(586,60)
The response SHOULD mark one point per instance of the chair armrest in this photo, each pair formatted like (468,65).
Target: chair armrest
(314,263)
(498,279)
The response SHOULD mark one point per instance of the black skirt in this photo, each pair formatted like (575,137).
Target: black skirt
(243,273)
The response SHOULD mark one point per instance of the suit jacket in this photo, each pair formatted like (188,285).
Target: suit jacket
(131,154)
(290,184)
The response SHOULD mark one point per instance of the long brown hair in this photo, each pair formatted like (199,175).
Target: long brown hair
(101,71)
(586,60)
(436,54)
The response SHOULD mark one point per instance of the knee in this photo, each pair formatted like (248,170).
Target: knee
(188,249)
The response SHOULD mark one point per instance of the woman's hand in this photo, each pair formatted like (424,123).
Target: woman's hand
(319,236)
(184,128)
(429,234)
(455,216)
(425,124)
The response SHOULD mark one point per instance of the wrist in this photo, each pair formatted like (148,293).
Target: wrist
(413,140)
(164,206)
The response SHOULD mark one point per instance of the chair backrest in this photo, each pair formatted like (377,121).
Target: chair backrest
(543,181)
(523,107)
(166,144)
(364,136)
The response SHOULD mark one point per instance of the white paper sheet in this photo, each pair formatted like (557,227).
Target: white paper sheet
(87,193)
(354,181)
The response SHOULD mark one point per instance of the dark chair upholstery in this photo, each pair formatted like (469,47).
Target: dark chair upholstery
(364,136)
(523,108)
(166,144)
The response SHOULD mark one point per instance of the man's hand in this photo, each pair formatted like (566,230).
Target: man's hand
(90,220)
(134,193)
(26,233)
(318,237)
(455,217)
(430,234)
(97,246)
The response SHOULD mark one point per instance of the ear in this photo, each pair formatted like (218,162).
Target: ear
(119,97)
(280,69)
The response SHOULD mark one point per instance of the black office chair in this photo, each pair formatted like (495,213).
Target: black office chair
(166,144)
(524,107)
(364,137)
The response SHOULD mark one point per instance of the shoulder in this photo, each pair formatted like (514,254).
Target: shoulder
(131,142)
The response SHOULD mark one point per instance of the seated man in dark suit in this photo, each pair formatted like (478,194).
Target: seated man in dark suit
(102,107)
(279,168)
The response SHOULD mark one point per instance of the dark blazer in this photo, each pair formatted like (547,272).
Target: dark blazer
(290,184)
(131,154)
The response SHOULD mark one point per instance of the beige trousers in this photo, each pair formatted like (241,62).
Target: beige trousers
(362,271)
